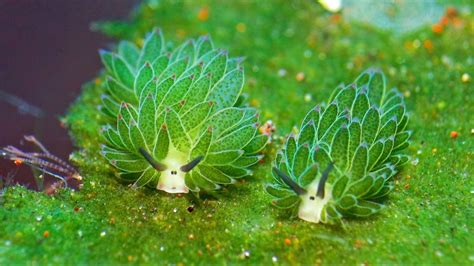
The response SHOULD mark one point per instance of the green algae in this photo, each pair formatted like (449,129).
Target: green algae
(428,218)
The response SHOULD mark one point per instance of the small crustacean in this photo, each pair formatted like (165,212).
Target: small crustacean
(43,161)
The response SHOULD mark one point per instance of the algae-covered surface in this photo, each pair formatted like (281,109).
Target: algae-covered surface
(295,55)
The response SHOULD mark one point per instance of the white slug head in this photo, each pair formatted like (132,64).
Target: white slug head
(173,170)
(314,197)
(311,206)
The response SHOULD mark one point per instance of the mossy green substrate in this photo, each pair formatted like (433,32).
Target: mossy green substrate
(429,216)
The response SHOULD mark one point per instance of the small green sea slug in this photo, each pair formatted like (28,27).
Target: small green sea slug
(344,158)
(177,120)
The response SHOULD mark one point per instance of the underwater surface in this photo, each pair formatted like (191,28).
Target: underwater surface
(293,55)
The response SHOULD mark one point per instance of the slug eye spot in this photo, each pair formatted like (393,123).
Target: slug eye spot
(312,198)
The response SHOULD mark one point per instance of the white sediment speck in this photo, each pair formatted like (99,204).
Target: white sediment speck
(274,258)
(247,253)
(282,72)
(465,78)
(103,233)
(308,97)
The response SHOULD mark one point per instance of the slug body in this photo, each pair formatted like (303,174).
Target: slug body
(176,118)
(342,161)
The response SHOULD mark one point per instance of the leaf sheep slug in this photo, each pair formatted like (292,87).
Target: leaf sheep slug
(342,161)
(176,118)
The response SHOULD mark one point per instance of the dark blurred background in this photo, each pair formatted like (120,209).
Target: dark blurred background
(47,51)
